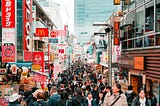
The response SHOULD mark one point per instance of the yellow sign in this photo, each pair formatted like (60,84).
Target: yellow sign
(36,67)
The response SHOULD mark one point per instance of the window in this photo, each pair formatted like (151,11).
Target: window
(140,21)
(149,17)
(158,16)
(158,40)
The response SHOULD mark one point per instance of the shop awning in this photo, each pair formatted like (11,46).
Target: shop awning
(21,64)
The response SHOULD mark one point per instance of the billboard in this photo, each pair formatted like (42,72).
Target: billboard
(27,35)
(8,31)
(8,13)
(38,61)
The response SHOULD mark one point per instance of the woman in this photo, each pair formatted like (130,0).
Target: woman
(141,100)
(117,98)
(99,100)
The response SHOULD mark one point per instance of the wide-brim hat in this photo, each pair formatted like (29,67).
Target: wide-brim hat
(14,97)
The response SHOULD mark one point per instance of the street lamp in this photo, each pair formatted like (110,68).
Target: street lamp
(108,31)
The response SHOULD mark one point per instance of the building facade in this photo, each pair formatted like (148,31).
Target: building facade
(88,11)
(140,44)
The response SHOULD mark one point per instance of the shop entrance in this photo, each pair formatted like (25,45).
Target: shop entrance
(136,82)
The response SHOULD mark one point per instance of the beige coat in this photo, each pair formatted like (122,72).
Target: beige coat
(122,101)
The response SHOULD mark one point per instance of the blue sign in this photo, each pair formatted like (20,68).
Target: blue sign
(53,40)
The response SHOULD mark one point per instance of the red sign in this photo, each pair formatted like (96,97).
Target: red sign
(27,20)
(116,33)
(61,51)
(40,78)
(27,55)
(53,34)
(8,13)
(8,53)
(38,59)
(42,32)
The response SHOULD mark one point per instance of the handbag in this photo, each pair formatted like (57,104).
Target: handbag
(115,100)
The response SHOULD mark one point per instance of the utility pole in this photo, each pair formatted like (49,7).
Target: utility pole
(108,32)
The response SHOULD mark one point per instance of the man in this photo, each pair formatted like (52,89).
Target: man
(55,97)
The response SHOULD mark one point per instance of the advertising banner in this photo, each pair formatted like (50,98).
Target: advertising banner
(40,78)
(8,53)
(8,31)
(38,61)
(8,13)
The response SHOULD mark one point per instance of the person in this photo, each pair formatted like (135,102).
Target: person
(117,98)
(78,99)
(14,100)
(55,97)
(108,94)
(40,100)
(89,99)
(95,91)
(153,99)
(99,100)
(141,99)
(130,94)
(63,100)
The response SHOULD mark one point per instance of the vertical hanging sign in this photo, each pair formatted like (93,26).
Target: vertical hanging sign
(116,33)
(8,31)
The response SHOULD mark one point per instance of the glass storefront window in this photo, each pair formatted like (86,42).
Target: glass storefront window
(149,41)
(158,40)
(149,17)
(140,21)
(130,43)
(158,16)
(139,42)
(124,45)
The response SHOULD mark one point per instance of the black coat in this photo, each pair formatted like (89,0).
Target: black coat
(137,103)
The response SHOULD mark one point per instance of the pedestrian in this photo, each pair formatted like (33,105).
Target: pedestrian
(89,99)
(141,99)
(99,100)
(54,96)
(14,100)
(107,94)
(78,99)
(40,100)
(94,91)
(63,99)
(130,95)
(117,98)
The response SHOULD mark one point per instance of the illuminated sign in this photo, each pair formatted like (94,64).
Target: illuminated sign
(117,2)
(42,32)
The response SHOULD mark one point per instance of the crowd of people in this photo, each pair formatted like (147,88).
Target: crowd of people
(80,86)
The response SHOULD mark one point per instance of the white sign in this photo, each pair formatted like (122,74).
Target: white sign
(8,35)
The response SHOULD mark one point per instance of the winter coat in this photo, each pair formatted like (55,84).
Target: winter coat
(53,99)
(74,102)
(14,104)
(122,101)
(41,103)
(96,103)
(136,102)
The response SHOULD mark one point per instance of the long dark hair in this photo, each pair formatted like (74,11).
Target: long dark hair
(98,98)
(119,87)
(78,95)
